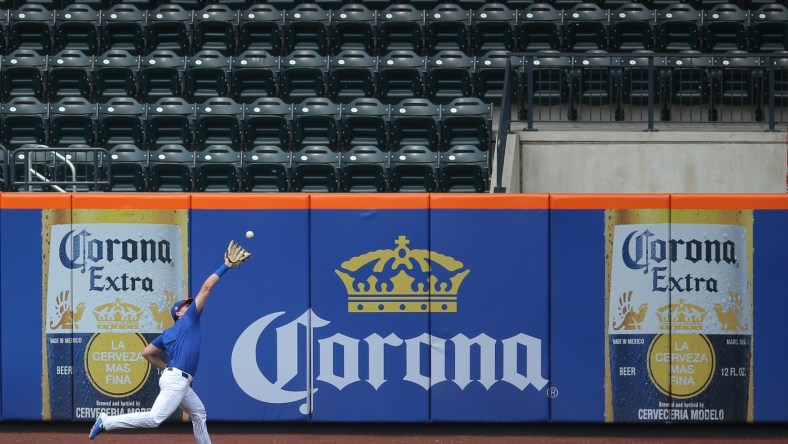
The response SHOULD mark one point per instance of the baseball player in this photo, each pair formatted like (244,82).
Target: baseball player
(182,344)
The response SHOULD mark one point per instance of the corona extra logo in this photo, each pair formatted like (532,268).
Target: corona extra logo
(117,316)
(681,316)
(402,280)
(162,315)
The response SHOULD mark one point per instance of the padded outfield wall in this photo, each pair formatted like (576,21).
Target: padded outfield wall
(403,308)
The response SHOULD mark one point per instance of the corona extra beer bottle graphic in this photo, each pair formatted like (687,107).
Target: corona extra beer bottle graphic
(110,278)
(678,315)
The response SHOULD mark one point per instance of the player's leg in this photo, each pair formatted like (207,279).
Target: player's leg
(173,389)
(192,405)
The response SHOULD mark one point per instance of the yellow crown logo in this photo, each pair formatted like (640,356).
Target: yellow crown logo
(681,316)
(117,315)
(402,280)
(162,315)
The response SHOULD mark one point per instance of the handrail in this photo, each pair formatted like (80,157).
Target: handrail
(504,121)
(42,164)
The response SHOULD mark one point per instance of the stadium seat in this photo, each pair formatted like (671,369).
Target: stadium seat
(72,121)
(169,29)
(123,28)
(632,28)
(207,75)
(215,29)
(267,140)
(161,75)
(769,28)
(24,121)
(725,29)
(364,162)
(171,169)
(315,145)
(217,169)
(549,85)
(306,28)
(76,28)
(400,27)
(401,75)
(678,29)
(115,75)
(260,28)
(267,145)
(779,77)
(169,121)
(121,121)
(414,139)
(466,135)
(490,73)
(635,81)
(303,74)
(492,29)
(353,28)
(129,170)
(688,83)
(254,74)
(737,81)
(597,79)
(23,75)
(30,27)
(219,121)
(447,28)
(70,75)
(539,28)
(585,28)
(352,74)
(449,75)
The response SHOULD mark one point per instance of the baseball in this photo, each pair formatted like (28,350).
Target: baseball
(249,234)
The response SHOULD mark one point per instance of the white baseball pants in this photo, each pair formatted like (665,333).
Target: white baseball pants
(176,391)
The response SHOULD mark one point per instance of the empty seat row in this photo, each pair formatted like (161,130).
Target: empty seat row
(312,146)
(254,74)
(492,26)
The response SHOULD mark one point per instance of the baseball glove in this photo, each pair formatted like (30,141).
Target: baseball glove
(236,254)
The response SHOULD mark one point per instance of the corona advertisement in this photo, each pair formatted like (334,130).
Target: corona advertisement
(110,277)
(679,315)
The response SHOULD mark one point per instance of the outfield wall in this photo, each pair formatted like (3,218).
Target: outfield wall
(403,308)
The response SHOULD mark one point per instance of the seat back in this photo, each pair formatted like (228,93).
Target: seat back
(30,27)
(129,171)
(364,161)
(315,145)
(219,122)
(23,75)
(169,29)
(447,29)
(414,138)
(260,28)
(632,28)
(306,28)
(539,28)
(678,29)
(72,121)
(585,28)
(24,121)
(492,29)
(217,169)
(115,74)
(215,29)
(725,29)
(70,75)
(352,74)
(352,27)
(207,75)
(121,121)
(400,27)
(254,74)
(449,75)
(171,169)
(401,75)
(76,28)
(170,121)
(123,28)
(302,75)
(161,75)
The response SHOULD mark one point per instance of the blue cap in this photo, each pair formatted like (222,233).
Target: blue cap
(177,306)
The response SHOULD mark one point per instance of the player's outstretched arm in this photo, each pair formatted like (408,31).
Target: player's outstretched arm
(207,286)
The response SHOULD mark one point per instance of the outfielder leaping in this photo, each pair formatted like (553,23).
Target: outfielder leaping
(182,344)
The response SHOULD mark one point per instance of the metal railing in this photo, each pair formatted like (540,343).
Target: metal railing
(44,168)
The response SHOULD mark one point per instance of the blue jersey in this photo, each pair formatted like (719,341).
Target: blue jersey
(182,341)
